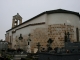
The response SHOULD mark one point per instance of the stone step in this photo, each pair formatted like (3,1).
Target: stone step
(18,57)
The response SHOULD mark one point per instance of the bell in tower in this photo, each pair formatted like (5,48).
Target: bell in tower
(17,20)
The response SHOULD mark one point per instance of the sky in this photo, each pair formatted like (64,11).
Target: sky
(30,8)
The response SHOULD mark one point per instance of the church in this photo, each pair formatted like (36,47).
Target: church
(47,25)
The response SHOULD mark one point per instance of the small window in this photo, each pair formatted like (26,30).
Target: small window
(28,43)
(77,34)
(10,38)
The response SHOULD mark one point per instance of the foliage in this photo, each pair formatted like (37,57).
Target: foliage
(27,58)
(49,48)
(9,56)
(19,50)
(10,50)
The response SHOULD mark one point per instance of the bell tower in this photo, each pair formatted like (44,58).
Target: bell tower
(17,20)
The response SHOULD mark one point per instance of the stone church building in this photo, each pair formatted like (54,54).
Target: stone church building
(49,24)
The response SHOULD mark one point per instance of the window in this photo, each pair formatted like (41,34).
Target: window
(28,43)
(77,34)
(10,38)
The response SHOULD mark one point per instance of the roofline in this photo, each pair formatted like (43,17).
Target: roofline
(49,12)
(30,25)
(63,11)
(27,20)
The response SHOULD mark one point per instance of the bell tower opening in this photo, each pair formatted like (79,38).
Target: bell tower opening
(17,20)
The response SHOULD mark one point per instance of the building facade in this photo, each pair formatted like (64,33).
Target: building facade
(50,24)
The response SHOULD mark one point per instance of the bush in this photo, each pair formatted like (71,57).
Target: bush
(26,59)
(9,57)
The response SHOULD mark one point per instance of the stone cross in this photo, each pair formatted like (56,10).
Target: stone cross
(68,34)
(20,38)
(29,39)
(38,46)
(65,37)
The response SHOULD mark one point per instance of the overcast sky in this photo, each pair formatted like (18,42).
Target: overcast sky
(30,8)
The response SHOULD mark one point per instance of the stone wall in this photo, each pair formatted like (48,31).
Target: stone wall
(55,31)
(39,35)
(21,43)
